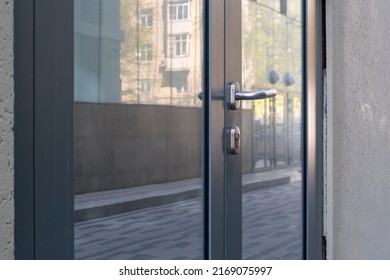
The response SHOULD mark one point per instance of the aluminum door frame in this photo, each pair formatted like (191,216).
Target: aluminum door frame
(223,173)
(214,125)
(313,51)
(44,129)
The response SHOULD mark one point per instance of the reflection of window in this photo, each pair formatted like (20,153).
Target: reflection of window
(178,11)
(179,45)
(90,11)
(146,18)
(181,85)
(146,86)
(146,52)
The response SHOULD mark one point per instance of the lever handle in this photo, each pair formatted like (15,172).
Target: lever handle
(234,95)
(253,95)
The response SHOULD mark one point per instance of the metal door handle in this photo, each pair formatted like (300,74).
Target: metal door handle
(234,95)
(252,95)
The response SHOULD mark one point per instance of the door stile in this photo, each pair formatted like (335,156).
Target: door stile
(215,151)
(233,173)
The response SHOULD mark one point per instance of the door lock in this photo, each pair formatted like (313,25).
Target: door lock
(234,140)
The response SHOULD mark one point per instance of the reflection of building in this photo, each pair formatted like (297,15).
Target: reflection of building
(138,51)
(163,64)
(97,51)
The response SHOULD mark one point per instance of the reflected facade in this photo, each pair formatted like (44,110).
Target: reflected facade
(138,125)
(138,52)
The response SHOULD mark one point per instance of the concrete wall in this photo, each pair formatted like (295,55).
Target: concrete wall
(119,145)
(6,131)
(357,204)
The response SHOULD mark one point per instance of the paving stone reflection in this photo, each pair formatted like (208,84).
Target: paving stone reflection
(272,229)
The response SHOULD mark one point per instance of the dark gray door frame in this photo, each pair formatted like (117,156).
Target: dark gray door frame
(233,162)
(24,129)
(224,185)
(44,129)
(214,128)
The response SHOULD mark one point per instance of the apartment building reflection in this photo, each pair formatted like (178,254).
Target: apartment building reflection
(139,52)
(165,67)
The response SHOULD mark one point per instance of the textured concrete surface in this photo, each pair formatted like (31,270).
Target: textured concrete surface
(6,131)
(358,68)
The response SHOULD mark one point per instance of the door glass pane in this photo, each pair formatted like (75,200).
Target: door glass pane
(138,129)
(272,130)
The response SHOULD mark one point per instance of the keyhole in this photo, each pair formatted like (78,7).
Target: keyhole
(234,140)
(237,141)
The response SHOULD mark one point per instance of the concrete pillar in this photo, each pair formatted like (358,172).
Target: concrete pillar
(357,140)
(6,130)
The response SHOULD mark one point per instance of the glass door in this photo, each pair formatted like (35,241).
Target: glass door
(268,211)
(182,148)
(272,200)
(139,68)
